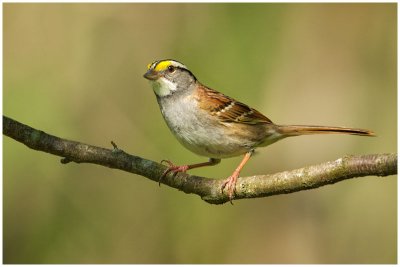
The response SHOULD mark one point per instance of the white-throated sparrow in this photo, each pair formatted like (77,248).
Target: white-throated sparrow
(214,125)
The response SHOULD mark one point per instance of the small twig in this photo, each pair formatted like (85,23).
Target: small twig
(209,189)
(114,145)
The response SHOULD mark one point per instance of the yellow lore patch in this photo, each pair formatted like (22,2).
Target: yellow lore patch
(162,65)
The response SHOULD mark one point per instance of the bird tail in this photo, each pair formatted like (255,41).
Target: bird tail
(294,130)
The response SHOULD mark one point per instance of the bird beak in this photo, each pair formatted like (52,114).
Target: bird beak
(151,75)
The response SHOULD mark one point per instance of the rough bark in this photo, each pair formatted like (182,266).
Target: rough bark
(208,189)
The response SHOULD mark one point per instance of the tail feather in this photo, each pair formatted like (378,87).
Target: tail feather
(293,130)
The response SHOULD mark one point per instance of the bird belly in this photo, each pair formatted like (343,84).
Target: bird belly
(202,134)
(212,145)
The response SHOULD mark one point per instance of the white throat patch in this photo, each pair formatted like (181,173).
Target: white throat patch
(163,87)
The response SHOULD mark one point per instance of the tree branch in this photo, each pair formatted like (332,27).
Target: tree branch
(208,189)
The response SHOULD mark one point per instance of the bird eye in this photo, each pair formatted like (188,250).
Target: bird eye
(171,69)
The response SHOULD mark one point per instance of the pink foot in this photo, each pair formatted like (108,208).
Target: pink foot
(230,185)
(172,168)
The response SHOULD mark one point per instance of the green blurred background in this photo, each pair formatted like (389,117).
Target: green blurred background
(75,71)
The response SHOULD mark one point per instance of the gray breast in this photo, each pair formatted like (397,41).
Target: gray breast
(198,131)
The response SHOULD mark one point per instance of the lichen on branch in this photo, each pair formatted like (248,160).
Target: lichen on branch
(208,189)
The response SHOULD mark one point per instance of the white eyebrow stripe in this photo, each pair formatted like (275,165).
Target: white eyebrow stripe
(172,62)
(178,64)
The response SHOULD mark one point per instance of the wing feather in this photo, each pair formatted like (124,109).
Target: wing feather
(228,109)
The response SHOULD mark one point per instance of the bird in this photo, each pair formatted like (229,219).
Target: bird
(214,125)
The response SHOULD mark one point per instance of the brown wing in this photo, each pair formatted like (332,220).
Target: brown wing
(228,109)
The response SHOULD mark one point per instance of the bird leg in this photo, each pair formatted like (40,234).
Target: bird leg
(230,183)
(183,168)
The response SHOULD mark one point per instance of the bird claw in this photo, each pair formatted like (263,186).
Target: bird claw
(230,185)
(172,168)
